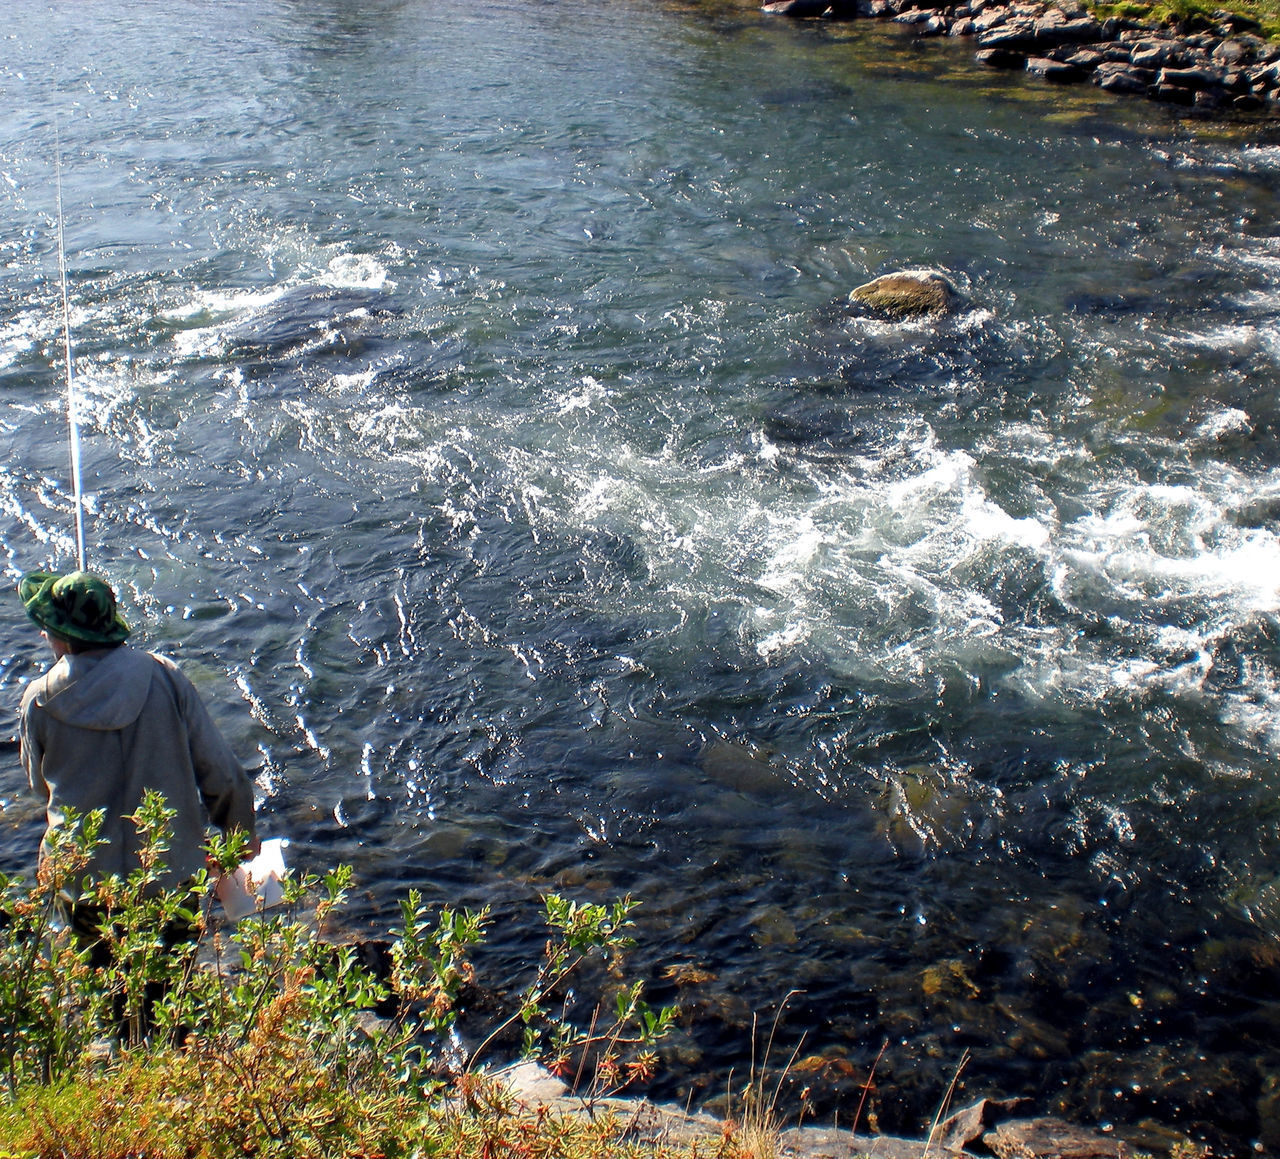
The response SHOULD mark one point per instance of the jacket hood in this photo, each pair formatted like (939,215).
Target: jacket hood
(103,691)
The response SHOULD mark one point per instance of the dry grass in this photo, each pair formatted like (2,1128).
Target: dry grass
(757,1124)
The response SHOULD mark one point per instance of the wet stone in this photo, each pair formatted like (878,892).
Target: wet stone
(1240,50)
(773,927)
(717,1006)
(1120,78)
(1267,76)
(1216,61)
(1049,32)
(1013,37)
(968,1125)
(1049,1138)
(991,18)
(798,9)
(1087,59)
(822,1143)
(910,293)
(1156,55)
(1056,71)
(948,980)
(446,842)
(1192,78)
(1000,58)
(1031,1036)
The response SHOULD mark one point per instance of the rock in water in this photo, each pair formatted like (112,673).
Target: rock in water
(907,294)
(797,9)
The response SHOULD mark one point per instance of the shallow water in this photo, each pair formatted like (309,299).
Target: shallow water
(467,409)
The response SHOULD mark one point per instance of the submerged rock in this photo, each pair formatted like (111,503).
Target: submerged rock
(744,767)
(308,326)
(772,926)
(811,9)
(309,316)
(907,294)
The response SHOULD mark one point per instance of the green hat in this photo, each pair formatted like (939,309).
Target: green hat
(80,606)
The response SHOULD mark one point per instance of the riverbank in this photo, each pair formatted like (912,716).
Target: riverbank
(1215,64)
(1003,1128)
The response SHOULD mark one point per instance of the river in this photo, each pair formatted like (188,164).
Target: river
(468,406)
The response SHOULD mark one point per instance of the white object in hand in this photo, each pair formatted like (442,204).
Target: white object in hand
(256,884)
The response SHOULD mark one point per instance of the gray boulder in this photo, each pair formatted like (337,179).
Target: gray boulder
(1117,77)
(1060,72)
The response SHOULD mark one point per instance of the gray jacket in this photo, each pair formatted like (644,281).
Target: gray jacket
(101,728)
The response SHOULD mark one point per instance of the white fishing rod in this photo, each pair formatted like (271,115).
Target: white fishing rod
(73,410)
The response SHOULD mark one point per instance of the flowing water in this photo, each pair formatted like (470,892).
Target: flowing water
(467,406)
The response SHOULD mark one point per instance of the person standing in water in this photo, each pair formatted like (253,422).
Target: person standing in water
(106,724)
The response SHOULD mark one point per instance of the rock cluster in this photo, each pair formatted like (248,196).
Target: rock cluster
(1221,66)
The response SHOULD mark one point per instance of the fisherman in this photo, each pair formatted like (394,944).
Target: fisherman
(105,724)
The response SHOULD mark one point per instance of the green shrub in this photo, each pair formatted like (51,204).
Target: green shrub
(262,1040)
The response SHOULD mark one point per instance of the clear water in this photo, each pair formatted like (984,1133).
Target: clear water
(465,406)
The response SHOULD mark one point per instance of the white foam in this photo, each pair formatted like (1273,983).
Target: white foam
(1229,422)
(789,566)
(202,317)
(208,306)
(785,639)
(359,381)
(602,494)
(989,521)
(19,335)
(356,272)
(1164,543)
(908,564)
(768,452)
(586,396)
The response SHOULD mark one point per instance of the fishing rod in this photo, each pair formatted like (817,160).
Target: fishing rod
(73,411)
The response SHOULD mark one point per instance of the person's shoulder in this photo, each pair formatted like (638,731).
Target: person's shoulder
(34,693)
(45,685)
(125,663)
(168,666)
(164,661)
(177,679)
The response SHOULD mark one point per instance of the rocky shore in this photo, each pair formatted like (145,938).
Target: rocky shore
(990,1127)
(1219,66)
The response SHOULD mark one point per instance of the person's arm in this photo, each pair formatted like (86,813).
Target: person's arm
(224,786)
(31,751)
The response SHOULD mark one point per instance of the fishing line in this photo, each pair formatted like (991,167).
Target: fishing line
(73,410)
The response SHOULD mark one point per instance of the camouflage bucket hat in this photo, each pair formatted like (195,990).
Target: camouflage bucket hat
(80,606)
